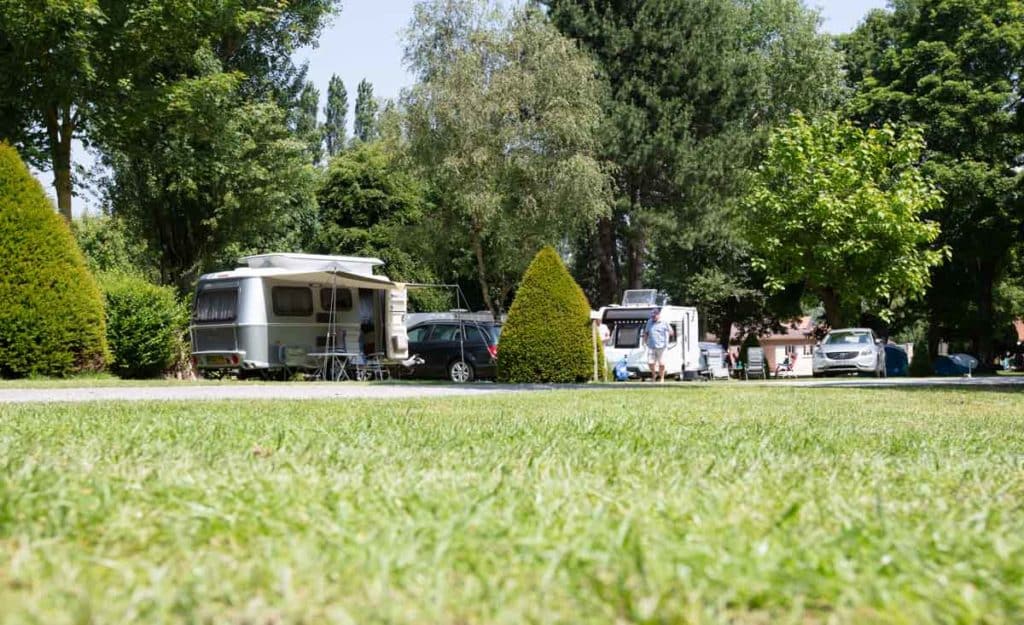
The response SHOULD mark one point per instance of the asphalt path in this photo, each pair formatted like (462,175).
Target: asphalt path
(385,391)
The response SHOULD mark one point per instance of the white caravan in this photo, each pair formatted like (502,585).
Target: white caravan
(279,311)
(626,324)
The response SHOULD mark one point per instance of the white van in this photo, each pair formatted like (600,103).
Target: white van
(626,324)
(275,312)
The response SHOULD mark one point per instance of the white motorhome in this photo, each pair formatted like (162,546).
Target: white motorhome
(626,324)
(279,310)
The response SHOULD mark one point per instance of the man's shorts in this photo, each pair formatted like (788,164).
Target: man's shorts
(656,355)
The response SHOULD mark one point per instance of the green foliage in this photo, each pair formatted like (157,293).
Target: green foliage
(335,112)
(145,325)
(365,122)
(953,68)
(503,120)
(51,314)
(693,87)
(371,206)
(212,177)
(840,210)
(70,68)
(547,337)
(109,247)
(921,363)
(305,125)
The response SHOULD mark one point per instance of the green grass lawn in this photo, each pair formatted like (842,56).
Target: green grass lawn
(696,504)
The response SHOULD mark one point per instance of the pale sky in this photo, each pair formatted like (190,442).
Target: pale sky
(364,41)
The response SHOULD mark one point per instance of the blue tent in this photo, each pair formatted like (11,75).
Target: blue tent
(897,363)
(955,364)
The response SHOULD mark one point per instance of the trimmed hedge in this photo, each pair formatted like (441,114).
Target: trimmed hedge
(145,324)
(51,313)
(547,337)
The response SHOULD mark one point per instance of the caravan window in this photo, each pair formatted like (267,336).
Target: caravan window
(292,301)
(216,305)
(342,299)
(627,336)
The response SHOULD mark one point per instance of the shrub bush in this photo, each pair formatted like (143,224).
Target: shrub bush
(51,312)
(547,337)
(145,325)
(921,363)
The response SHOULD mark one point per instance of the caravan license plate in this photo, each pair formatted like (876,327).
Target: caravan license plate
(216,360)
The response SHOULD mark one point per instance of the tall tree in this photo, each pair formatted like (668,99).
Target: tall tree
(307,127)
(839,210)
(67,65)
(954,67)
(336,114)
(693,87)
(212,177)
(503,119)
(365,122)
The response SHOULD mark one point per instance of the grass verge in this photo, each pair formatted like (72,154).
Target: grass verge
(703,505)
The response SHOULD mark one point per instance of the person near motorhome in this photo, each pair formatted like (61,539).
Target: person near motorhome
(658,335)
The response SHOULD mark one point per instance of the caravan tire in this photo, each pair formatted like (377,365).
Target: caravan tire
(460,372)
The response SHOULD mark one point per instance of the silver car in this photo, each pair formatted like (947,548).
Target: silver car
(850,350)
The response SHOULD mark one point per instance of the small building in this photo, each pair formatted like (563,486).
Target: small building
(796,339)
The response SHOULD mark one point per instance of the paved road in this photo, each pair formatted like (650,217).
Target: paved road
(184,392)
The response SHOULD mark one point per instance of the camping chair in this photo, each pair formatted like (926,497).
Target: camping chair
(755,363)
(788,368)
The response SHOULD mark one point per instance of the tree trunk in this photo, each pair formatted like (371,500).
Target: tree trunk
(608,273)
(636,256)
(984,340)
(59,128)
(481,268)
(833,307)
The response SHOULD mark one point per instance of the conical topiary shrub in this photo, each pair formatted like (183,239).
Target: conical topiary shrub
(547,337)
(51,312)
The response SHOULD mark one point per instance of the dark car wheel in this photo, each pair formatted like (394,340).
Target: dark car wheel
(460,372)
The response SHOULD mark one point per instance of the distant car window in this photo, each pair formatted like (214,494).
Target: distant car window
(476,335)
(848,338)
(419,334)
(444,333)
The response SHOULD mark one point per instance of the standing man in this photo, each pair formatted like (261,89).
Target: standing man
(659,334)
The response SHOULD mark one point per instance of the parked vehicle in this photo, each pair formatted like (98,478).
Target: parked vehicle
(277,312)
(850,350)
(456,350)
(626,325)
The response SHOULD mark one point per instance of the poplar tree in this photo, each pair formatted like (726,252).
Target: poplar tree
(365,127)
(336,114)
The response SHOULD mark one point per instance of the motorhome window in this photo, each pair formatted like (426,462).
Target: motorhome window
(292,301)
(216,305)
(342,299)
(627,336)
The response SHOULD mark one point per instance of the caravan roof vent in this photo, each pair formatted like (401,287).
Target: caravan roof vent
(644,297)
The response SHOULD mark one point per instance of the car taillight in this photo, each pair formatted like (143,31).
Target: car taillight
(493,351)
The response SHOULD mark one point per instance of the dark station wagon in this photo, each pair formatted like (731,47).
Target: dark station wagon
(459,351)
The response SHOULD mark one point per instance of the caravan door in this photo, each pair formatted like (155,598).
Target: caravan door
(394,323)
